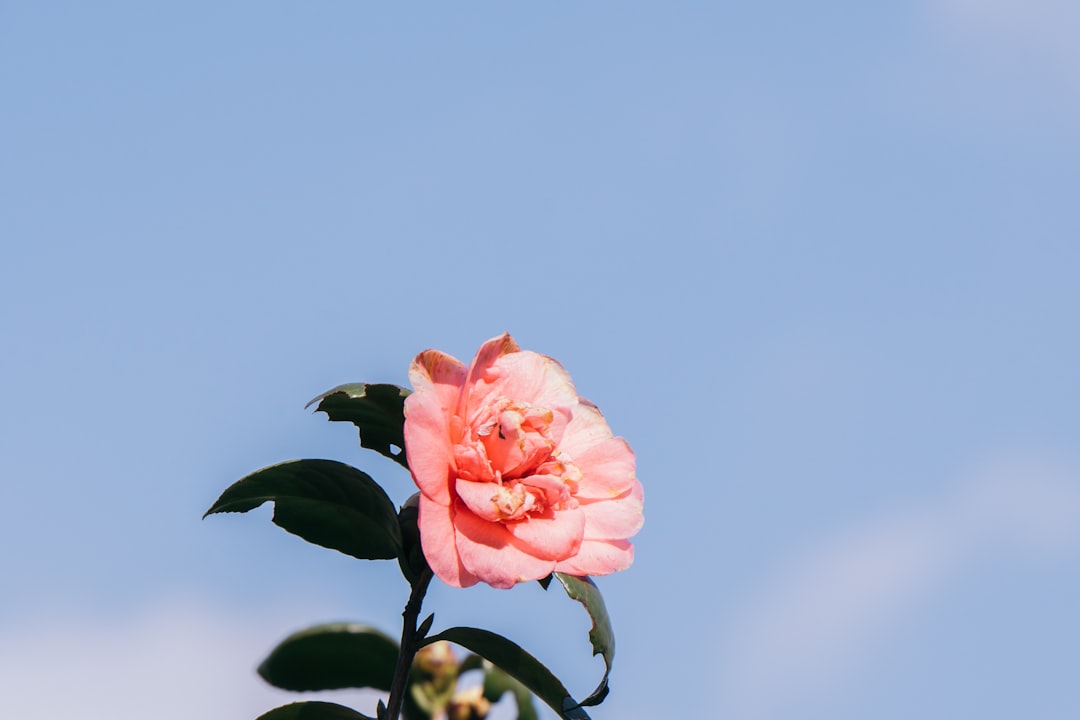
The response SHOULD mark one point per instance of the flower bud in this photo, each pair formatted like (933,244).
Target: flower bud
(432,680)
(412,560)
(469,705)
(435,662)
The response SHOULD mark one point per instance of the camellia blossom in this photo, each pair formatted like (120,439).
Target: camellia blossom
(518,476)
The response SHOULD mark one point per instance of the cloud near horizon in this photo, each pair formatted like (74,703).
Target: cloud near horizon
(175,661)
(178,660)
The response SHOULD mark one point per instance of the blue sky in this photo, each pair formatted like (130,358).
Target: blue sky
(818,264)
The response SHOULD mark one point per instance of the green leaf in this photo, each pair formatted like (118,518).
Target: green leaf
(377,410)
(422,630)
(602,637)
(324,502)
(314,710)
(332,656)
(517,663)
(497,683)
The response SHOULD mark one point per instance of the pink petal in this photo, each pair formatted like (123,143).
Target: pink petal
(507,443)
(551,538)
(536,379)
(607,469)
(437,372)
(471,462)
(586,429)
(599,557)
(552,487)
(480,374)
(479,497)
(490,553)
(437,538)
(614,519)
(427,445)
(520,442)
(436,379)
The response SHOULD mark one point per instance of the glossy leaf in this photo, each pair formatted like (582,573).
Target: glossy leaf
(377,410)
(509,657)
(324,502)
(332,656)
(314,710)
(601,635)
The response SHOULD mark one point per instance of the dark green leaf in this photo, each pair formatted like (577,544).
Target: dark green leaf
(377,410)
(545,581)
(332,656)
(323,501)
(602,637)
(517,663)
(425,626)
(312,711)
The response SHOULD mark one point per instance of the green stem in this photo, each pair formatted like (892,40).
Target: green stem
(408,648)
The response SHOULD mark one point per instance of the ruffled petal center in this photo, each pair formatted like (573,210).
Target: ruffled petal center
(508,466)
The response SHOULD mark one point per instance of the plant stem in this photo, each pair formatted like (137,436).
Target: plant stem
(408,648)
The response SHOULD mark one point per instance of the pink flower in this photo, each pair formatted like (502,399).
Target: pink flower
(518,476)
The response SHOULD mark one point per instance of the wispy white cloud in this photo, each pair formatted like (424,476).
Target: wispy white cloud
(803,635)
(177,661)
